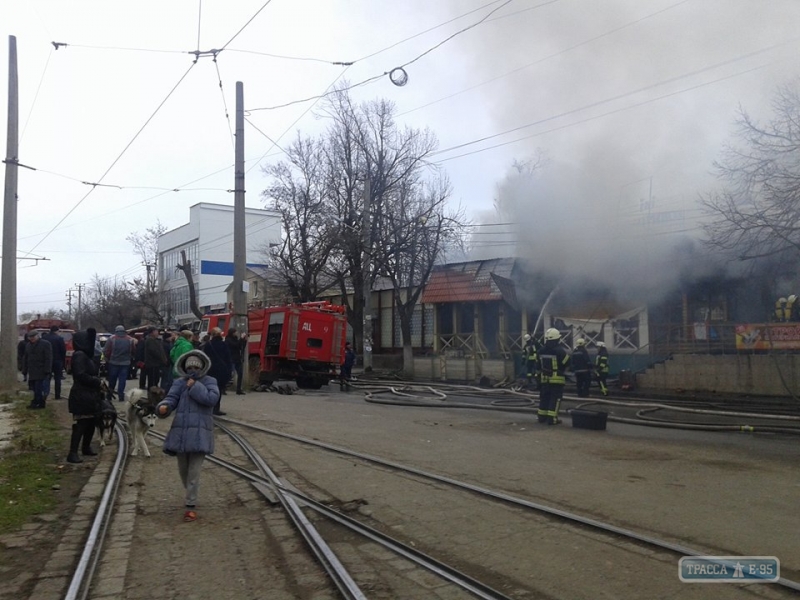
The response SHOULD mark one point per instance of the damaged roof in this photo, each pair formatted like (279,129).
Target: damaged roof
(474,281)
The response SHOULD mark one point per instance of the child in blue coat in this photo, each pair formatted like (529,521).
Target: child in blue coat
(192,398)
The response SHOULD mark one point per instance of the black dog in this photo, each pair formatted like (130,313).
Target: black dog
(105,419)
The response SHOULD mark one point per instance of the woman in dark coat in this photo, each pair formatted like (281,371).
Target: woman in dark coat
(86,396)
(221,365)
(192,398)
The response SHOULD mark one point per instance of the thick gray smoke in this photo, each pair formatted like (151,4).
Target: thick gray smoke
(615,200)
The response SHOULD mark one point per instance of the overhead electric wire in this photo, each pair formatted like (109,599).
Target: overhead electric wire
(225,104)
(250,20)
(545,58)
(199,21)
(349,63)
(123,48)
(35,96)
(116,160)
(594,105)
(423,32)
(413,60)
(296,121)
(467,28)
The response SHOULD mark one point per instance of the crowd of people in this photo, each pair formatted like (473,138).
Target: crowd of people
(193,374)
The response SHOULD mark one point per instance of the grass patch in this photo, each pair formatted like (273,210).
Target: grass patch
(29,467)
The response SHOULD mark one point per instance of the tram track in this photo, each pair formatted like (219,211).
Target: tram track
(82,579)
(87,563)
(575,519)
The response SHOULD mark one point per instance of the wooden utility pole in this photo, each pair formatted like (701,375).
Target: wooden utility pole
(239,231)
(366,266)
(8,300)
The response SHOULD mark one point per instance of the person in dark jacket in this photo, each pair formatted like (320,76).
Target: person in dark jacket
(346,370)
(193,397)
(23,343)
(138,361)
(119,352)
(167,340)
(220,356)
(86,395)
(237,346)
(59,359)
(155,359)
(38,365)
(581,364)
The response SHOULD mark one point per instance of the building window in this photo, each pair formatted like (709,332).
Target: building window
(170,261)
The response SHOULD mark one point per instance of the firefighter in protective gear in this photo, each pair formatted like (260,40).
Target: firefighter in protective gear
(790,309)
(553,361)
(780,310)
(581,364)
(529,357)
(601,367)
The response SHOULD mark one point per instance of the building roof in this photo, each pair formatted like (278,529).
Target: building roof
(473,281)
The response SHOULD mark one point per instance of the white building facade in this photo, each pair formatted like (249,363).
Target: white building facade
(207,240)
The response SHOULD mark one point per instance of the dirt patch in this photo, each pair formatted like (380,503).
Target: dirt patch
(25,552)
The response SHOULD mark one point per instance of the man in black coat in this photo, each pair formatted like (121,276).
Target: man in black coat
(155,359)
(21,346)
(59,358)
(86,395)
(221,365)
(38,365)
(236,346)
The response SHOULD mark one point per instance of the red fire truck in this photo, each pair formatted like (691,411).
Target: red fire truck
(65,330)
(304,342)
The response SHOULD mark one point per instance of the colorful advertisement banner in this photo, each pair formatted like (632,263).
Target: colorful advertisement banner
(768,336)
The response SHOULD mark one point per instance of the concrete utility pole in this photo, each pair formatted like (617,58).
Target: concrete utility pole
(80,308)
(69,304)
(366,263)
(8,301)
(239,239)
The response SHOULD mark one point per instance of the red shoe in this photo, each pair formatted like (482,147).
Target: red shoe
(189,516)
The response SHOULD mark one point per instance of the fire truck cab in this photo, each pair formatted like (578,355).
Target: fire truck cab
(304,342)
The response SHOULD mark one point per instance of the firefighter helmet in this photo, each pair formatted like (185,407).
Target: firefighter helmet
(791,298)
(526,337)
(580,342)
(600,344)
(782,300)
(552,334)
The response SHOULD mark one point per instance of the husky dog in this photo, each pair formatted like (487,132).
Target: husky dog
(141,415)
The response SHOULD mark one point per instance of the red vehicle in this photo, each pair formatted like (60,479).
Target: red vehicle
(65,330)
(304,342)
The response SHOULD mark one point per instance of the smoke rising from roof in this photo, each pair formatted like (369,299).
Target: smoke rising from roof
(642,98)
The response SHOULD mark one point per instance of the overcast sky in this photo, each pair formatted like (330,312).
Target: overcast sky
(629,101)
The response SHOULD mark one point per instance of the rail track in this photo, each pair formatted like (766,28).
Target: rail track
(296,503)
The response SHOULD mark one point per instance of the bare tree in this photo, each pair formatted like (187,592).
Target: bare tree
(416,233)
(320,193)
(299,192)
(109,302)
(367,143)
(149,297)
(186,267)
(756,214)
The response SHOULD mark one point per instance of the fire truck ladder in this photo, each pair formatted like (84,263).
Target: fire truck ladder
(294,318)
